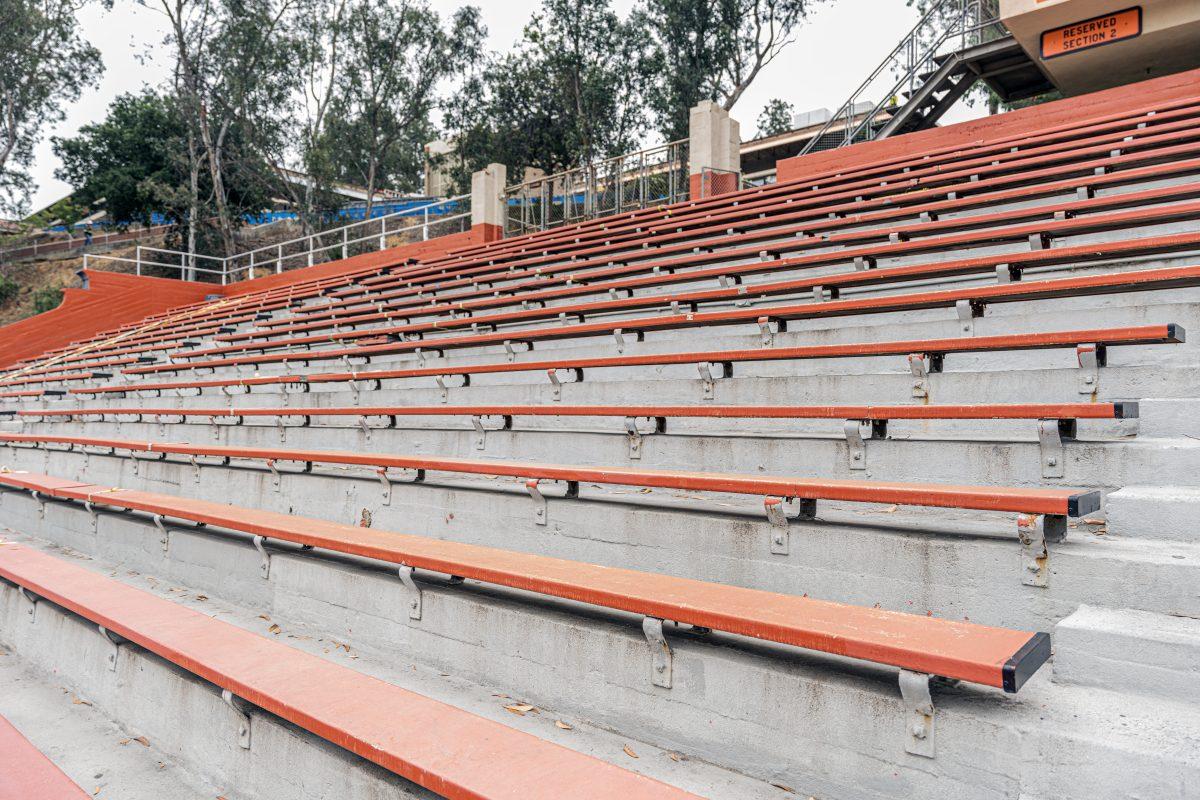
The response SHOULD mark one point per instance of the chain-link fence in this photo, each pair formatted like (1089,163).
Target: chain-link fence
(656,176)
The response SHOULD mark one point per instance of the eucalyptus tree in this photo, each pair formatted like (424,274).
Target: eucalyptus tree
(400,58)
(569,92)
(712,50)
(44,65)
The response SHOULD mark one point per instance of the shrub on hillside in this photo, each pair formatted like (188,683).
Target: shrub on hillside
(47,299)
(8,288)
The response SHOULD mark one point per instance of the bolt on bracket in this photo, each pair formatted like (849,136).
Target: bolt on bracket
(242,709)
(1051,435)
(919,713)
(412,590)
(260,545)
(116,641)
(858,431)
(1090,357)
(1035,532)
(661,657)
(777,510)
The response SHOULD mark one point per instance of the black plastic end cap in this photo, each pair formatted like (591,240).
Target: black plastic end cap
(53,392)
(1125,409)
(1026,661)
(1080,505)
(1176,332)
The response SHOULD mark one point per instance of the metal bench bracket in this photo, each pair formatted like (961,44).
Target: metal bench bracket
(1035,533)
(412,590)
(858,431)
(1051,435)
(919,713)
(242,709)
(260,545)
(661,657)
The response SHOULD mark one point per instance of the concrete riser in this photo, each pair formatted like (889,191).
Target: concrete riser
(952,564)
(185,717)
(844,719)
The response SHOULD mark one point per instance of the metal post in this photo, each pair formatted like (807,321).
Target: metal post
(279,259)
(383,232)
(345,238)
(139,260)
(310,251)
(425,225)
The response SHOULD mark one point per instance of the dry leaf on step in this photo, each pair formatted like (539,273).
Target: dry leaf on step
(629,752)
(558,723)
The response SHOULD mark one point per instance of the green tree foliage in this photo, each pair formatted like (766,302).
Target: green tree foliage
(44,65)
(397,60)
(129,159)
(47,298)
(775,118)
(712,50)
(570,92)
(135,161)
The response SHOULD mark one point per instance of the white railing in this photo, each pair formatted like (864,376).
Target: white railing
(424,222)
(947,26)
(657,175)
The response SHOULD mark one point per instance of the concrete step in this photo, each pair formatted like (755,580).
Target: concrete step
(484,649)
(188,718)
(916,452)
(1156,655)
(1170,512)
(954,565)
(104,756)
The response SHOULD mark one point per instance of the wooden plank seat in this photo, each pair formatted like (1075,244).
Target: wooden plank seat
(680,214)
(536,304)
(970,302)
(1038,502)
(449,751)
(691,256)
(1084,172)
(27,774)
(881,413)
(868,255)
(965,651)
(393,302)
(927,354)
(806,215)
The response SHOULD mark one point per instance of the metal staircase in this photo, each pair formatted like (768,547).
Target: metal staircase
(955,44)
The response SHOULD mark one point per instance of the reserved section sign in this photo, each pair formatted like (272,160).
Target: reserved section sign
(1094,32)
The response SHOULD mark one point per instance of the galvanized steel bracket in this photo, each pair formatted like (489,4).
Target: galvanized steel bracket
(919,714)
(264,568)
(116,641)
(1034,533)
(661,657)
(777,510)
(858,431)
(412,590)
(1090,357)
(242,709)
(1051,435)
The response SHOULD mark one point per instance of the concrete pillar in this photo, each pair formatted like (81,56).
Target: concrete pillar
(487,200)
(714,143)
(437,168)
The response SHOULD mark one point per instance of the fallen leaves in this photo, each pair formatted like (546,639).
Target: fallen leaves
(558,723)
(629,752)
(76,701)
(142,740)
(275,629)
(520,709)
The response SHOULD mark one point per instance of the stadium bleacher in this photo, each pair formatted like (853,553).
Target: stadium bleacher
(874,483)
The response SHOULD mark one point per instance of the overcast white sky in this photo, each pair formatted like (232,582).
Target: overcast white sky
(840,44)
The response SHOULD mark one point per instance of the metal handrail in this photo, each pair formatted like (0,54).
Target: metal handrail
(607,186)
(312,244)
(971,16)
